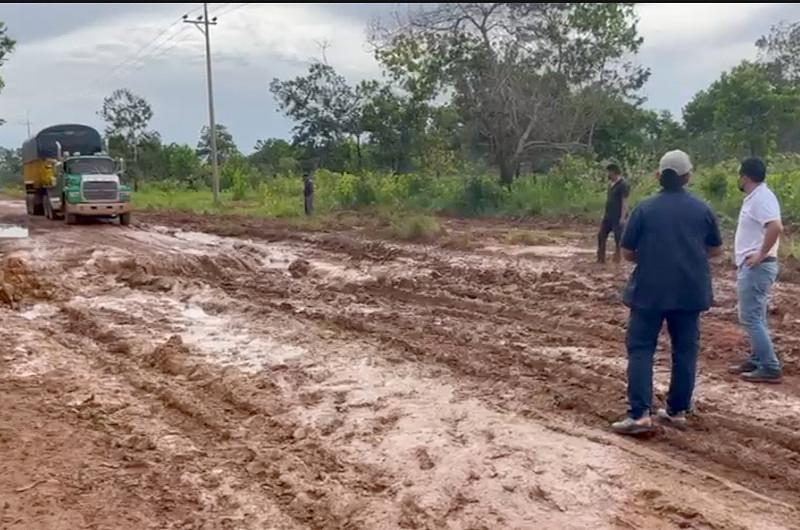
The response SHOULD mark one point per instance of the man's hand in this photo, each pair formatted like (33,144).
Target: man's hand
(754,260)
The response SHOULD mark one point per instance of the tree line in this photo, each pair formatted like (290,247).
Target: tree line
(507,88)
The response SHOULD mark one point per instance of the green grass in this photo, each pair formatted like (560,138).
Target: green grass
(12,192)
(575,188)
(415,228)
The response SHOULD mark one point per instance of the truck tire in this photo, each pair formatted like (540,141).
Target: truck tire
(29,203)
(72,219)
(37,202)
(125,219)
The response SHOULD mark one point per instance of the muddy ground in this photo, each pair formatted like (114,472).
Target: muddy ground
(190,373)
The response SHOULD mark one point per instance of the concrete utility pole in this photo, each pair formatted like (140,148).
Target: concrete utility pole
(203,24)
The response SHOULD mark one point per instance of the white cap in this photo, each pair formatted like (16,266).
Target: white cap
(678,161)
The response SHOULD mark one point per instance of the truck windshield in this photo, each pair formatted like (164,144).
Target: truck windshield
(91,166)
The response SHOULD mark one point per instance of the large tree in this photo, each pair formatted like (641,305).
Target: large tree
(743,111)
(226,147)
(532,77)
(127,118)
(6,47)
(325,108)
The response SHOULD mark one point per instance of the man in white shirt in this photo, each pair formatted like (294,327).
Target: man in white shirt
(756,246)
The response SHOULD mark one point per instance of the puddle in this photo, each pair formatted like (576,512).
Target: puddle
(10,231)
(541,251)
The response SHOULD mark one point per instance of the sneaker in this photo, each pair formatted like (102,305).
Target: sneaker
(633,427)
(742,368)
(762,375)
(677,420)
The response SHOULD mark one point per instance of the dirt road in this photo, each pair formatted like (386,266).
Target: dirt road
(236,374)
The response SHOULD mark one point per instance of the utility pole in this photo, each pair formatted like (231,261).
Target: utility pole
(203,24)
(27,122)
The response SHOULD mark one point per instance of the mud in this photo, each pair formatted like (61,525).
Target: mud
(206,373)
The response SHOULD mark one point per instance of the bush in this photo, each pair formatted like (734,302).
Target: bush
(416,228)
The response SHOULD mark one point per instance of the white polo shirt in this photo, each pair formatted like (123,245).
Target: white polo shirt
(760,207)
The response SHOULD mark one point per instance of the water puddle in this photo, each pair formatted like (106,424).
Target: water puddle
(13,231)
(540,251)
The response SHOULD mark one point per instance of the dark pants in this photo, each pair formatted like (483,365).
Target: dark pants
(643,330)
(607,226)
(308,204)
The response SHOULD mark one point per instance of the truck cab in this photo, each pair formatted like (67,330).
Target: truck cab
(91,186)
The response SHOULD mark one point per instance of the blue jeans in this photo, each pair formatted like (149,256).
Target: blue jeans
(642,339)
(753,286)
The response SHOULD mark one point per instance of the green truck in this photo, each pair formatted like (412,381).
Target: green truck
(69,175)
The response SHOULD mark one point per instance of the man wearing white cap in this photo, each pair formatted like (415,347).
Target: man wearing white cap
(670,237)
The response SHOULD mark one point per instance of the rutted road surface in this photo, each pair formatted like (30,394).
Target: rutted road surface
(189,373)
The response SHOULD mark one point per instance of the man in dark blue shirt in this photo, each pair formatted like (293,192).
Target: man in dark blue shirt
(670,237)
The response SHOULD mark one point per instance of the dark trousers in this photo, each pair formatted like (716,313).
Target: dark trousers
(643,330)
(308,204)
(607,226)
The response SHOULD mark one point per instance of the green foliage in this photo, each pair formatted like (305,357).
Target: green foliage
(226,147)
(744,111)
(415,228)
(6,47)
(10,167)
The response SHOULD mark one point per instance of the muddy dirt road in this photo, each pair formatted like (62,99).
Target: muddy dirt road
(240,375)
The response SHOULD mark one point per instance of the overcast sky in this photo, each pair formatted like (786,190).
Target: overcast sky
(69,56)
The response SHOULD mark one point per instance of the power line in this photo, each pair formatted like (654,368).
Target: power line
(136,55)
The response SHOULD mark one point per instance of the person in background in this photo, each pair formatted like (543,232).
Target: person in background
(756,248)
(615,214)
(670,238)
(308,193)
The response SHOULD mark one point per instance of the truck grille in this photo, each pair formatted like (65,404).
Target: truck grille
(100,191)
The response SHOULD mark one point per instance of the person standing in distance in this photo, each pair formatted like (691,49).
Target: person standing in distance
(615,214)
(308,193)
(756,247)
(670,237)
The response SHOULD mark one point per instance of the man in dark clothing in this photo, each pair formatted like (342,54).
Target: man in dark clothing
(670,237)
(615,214)
(308,193)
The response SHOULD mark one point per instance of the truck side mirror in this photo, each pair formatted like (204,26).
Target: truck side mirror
(121,166)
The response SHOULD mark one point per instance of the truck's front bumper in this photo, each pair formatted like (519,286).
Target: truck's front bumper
(99,208)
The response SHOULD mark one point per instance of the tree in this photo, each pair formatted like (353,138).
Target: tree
(182,165)
(744,110)
(10,166)
(532,77)
(6,47)
(627,131)
(226,147)
(779,52)
(275,155)
(127,117)
(326,110)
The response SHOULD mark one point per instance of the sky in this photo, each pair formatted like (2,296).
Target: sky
(70,56)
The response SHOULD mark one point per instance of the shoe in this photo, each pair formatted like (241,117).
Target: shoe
(741,368)
(762,375)
(677,420)
(633,427)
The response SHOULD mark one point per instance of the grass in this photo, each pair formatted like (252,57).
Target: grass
(415,228)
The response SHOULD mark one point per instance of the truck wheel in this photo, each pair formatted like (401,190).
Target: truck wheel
(38,203)
(125,219)
(29,203)
(71,218)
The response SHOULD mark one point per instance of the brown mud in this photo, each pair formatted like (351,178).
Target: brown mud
(194,372)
